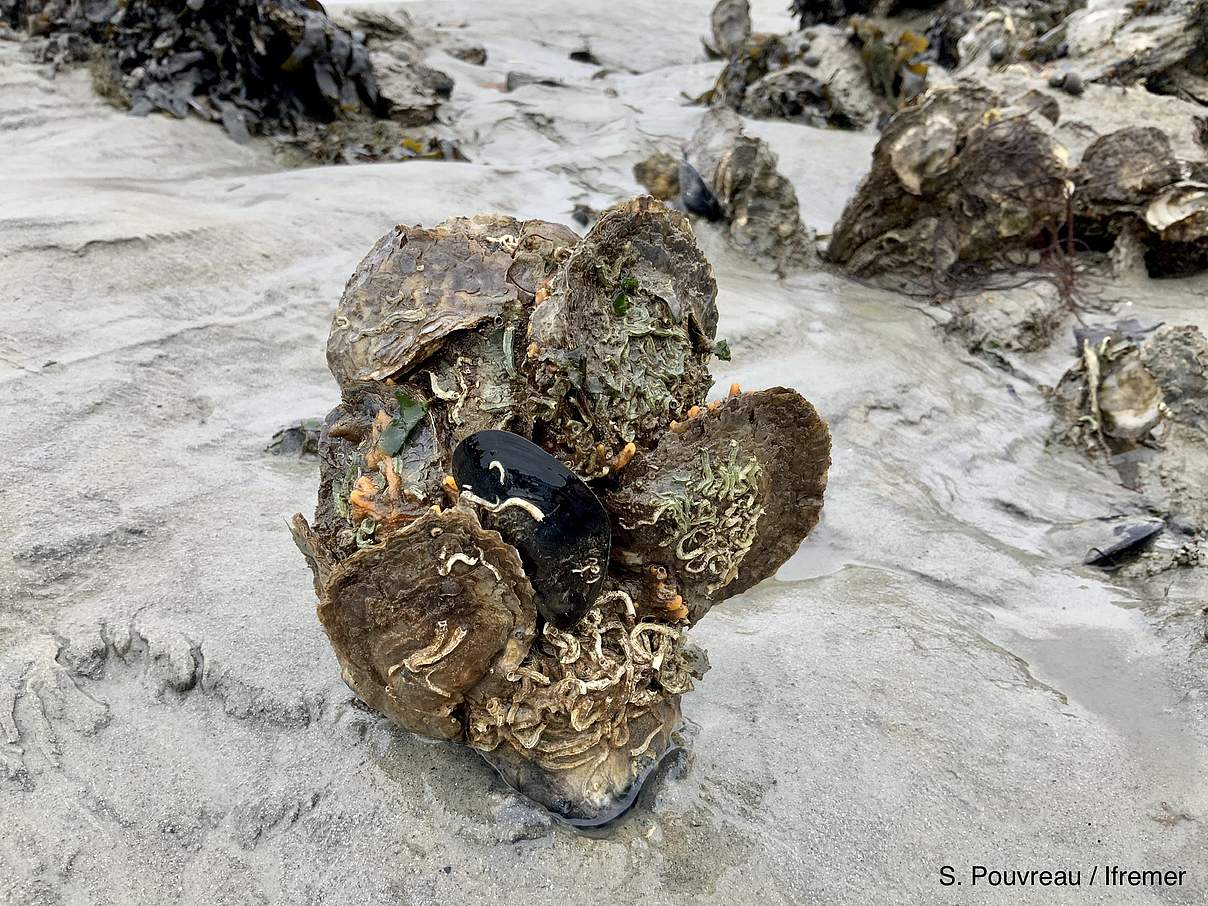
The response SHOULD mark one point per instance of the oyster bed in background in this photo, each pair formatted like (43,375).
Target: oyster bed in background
(936,678)
(327,90)
(1015,136)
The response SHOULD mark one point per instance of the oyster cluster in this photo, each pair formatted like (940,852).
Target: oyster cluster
(1138,400)
(958,177)
(525,501)
(732,178)
(817,78)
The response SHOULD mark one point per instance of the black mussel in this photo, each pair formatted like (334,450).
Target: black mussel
(696,195)
(1129,541)
(543,509)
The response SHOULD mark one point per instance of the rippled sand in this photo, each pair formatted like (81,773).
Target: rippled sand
(934,680)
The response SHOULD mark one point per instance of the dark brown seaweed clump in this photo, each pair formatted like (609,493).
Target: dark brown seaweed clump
(536,606)
(258,67)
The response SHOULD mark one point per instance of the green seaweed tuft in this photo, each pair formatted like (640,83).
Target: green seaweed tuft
(410,414)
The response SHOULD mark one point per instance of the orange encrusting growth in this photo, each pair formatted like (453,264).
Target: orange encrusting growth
(385,506)
(621,460)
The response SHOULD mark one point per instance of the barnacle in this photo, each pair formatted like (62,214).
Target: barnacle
(510,542)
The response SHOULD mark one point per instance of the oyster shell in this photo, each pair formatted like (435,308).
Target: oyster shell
(957,176)
(726,499)
(417,287)
(1125,167)
(423,618)
(1141,406)
(589,713)
(1130,400)
(746,188)
(1180,214)
(598,790)
(620,347)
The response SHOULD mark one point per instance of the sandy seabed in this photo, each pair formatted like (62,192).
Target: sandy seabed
(933,681)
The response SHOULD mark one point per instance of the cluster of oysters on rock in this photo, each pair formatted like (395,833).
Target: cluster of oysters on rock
(525,501)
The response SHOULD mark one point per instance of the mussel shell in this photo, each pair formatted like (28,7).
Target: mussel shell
(1128,541)
(696,195)
(565,553)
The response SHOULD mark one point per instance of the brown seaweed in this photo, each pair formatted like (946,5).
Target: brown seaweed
(279,68)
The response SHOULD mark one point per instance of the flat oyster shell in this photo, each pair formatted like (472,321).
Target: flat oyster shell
(723,503)
(423,618)
(418,286)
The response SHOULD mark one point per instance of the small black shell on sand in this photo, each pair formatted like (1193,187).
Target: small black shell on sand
(546,511)
(1130,541)
(696,196)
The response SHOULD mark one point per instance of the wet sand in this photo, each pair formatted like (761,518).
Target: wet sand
(933,680)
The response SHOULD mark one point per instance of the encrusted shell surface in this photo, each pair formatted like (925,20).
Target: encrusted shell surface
(474,383)
(1125,167)
(600,789)
(620,347)
(1177,357)
(580,724)
(418,286)
(722,504)
(358,481)
(421,619)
